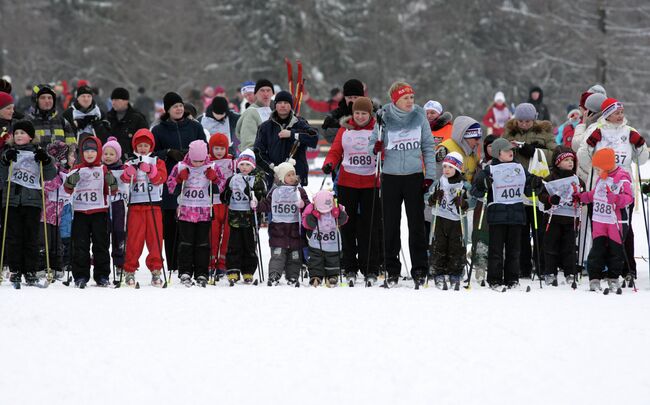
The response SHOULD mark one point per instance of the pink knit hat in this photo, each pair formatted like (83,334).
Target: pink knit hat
(198,151)
(324,201)
(112,143)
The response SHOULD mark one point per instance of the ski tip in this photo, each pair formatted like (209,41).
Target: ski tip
(528,289)
(606,291)
(137,285)
(619,291)
(164,285)
(256,282)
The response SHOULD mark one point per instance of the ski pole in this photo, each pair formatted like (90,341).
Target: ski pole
(4,227)
(483,205)
(47,248)
(462,226)
(620,235)
(536,239)
(643,205)
(338,244)
(126,235)
(432,230)
(256,235)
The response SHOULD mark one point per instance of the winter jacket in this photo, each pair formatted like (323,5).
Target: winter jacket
(458,144)
(617,133)
(20,195)
(243,219)
(274,150)
(284,235)
(500,214)
(556,174)
(542,110)
(54,206)
(89,120)
(333,120)
(311,224)
(539,136)
(125,127)
(177,135)
(441,128)
(246,129)
(337,152)
(567,134)
(410,160)
(225,126)
(51,126)
(192,214)
(496,118)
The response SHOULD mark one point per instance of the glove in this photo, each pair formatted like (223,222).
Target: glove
(253,203)
(336,211)
(316,214)
(577,197)
(527,150)
(594,138)
(460,203)
(554,199)
(129,171)
(300,204)
(436,197)
(536,182)
(175,155)
(612,198)
(72,180)
(379,147)
(426,184)
(645,188)
(327,169)
(183,175)
(153,172)
(41,156)
(636,139)
(10,155)
(211,174)
(145,167)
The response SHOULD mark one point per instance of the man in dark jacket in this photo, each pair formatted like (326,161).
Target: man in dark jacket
(284,136)
(536,98)
(173,136)
(49,125)
(124,120)
(86,117)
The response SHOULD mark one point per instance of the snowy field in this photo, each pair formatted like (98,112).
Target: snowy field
(255,344)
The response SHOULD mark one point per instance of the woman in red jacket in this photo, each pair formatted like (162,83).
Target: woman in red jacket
(356,189)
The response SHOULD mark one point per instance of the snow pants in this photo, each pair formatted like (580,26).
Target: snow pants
(194,248)
(560,249)
(142,225)
(242,250)
(219,237)
(21,244)
(287,260)
(448,253)
(509,237)
(90,229)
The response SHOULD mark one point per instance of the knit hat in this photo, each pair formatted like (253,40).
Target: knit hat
(583,98)
(82,83)
(218,139)
(525,112)
(284,96)
(263,83)
(597,88)
(219,105)
(605,160)
(362,104)
(170,99)
(115,145)
(454,160)
(190,108)
(246,156)
(198,151)
(43,89)
(5,86)
(5,100)
(609,106)
(59,151)
(26,126)
(219,89)
(563,155)
(120,93)
(594,102)
(473,131)
(324,201)
(89,144)
(433,105)
(353,87)
(499,96)
(143,136)
(499,145)
(247,87)
(84,90)
(283,168)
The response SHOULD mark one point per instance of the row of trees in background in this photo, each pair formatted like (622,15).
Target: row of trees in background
(458,52)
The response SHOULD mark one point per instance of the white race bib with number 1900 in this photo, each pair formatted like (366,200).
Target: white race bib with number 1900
(405,139)
(89,191)
(508,182)
(26,171)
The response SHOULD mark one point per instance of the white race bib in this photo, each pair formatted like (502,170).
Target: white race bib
(227,168)
(196,189)
(89,191)
(325,237)
(239,200)
(356,158)
(122,187)
(26,171)
(264,112)
(143,191)
(446,208)
(508,182)
(60,195)
(405,139)
(603,211)
(284,205)
(619,140)
(565,189)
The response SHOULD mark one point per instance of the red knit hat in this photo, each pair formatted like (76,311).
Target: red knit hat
(609,106)
(605,160)
(5,99)
(218,139)
(143,135)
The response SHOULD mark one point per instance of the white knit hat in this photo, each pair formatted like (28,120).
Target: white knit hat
(283,168)
(499,96)
(433,105)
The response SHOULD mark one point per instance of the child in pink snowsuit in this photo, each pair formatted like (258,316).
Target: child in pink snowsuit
(611,194)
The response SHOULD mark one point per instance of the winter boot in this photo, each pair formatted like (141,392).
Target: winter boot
(454,282)
(233,276)
(81,283)
(14,279)
(129,278)
(571,280)
(202,281)
(31,279)
(392,281)
(614,286)
(248,279)
(315,281)
(186,280)
(156,281)
(441,283)
(371,280)
(594,285)
(103,282)
(498,287)
(351,278)
(274,279)
(293,282)
(332,281)
(550,279)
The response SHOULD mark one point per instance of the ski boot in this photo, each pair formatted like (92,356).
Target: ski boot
(594,285)
(498,287)
(103,282)
(14,279)
(351,278)
(454,282)
(315,281)
(119,273)
(613,286)
(156,281)
(248,279)
(31,279)
(391,282)
(293,282)
(186,280)
(202,281)
(331,281)
(42,280)
(571,280)
(371,280)
(629,281)
(129,278)
(233,277)
(59,275)
(441,283)
(550,279)
(274,279)
(81,283)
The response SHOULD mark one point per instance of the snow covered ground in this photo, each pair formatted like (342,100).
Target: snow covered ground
(251,345)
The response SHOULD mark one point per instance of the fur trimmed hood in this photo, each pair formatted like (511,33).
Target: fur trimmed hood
(538,127)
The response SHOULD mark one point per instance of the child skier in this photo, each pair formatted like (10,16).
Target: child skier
(449,201)
(111,153)
(193,180)
(610,196)
(561,216)
(145,175)
(322,219)
(242,192)
(220,228)
(506,182)
(23,203)
(91,185)
(285,201)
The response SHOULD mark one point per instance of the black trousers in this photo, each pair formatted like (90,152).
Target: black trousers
(87,228)
(448,255)
(408,190)
(528,255)
(357,234)
(194,248)
(242,250)
(55,247)
(21,245)
(605,259)
(508,237)
(170,237)
(560,249)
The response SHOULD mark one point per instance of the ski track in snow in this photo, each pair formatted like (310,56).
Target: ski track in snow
(249,344)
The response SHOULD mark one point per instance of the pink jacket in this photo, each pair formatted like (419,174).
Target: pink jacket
(53,209)
(193,214)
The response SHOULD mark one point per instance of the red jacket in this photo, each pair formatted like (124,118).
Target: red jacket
(322,106)
(490,119)
(335,156)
